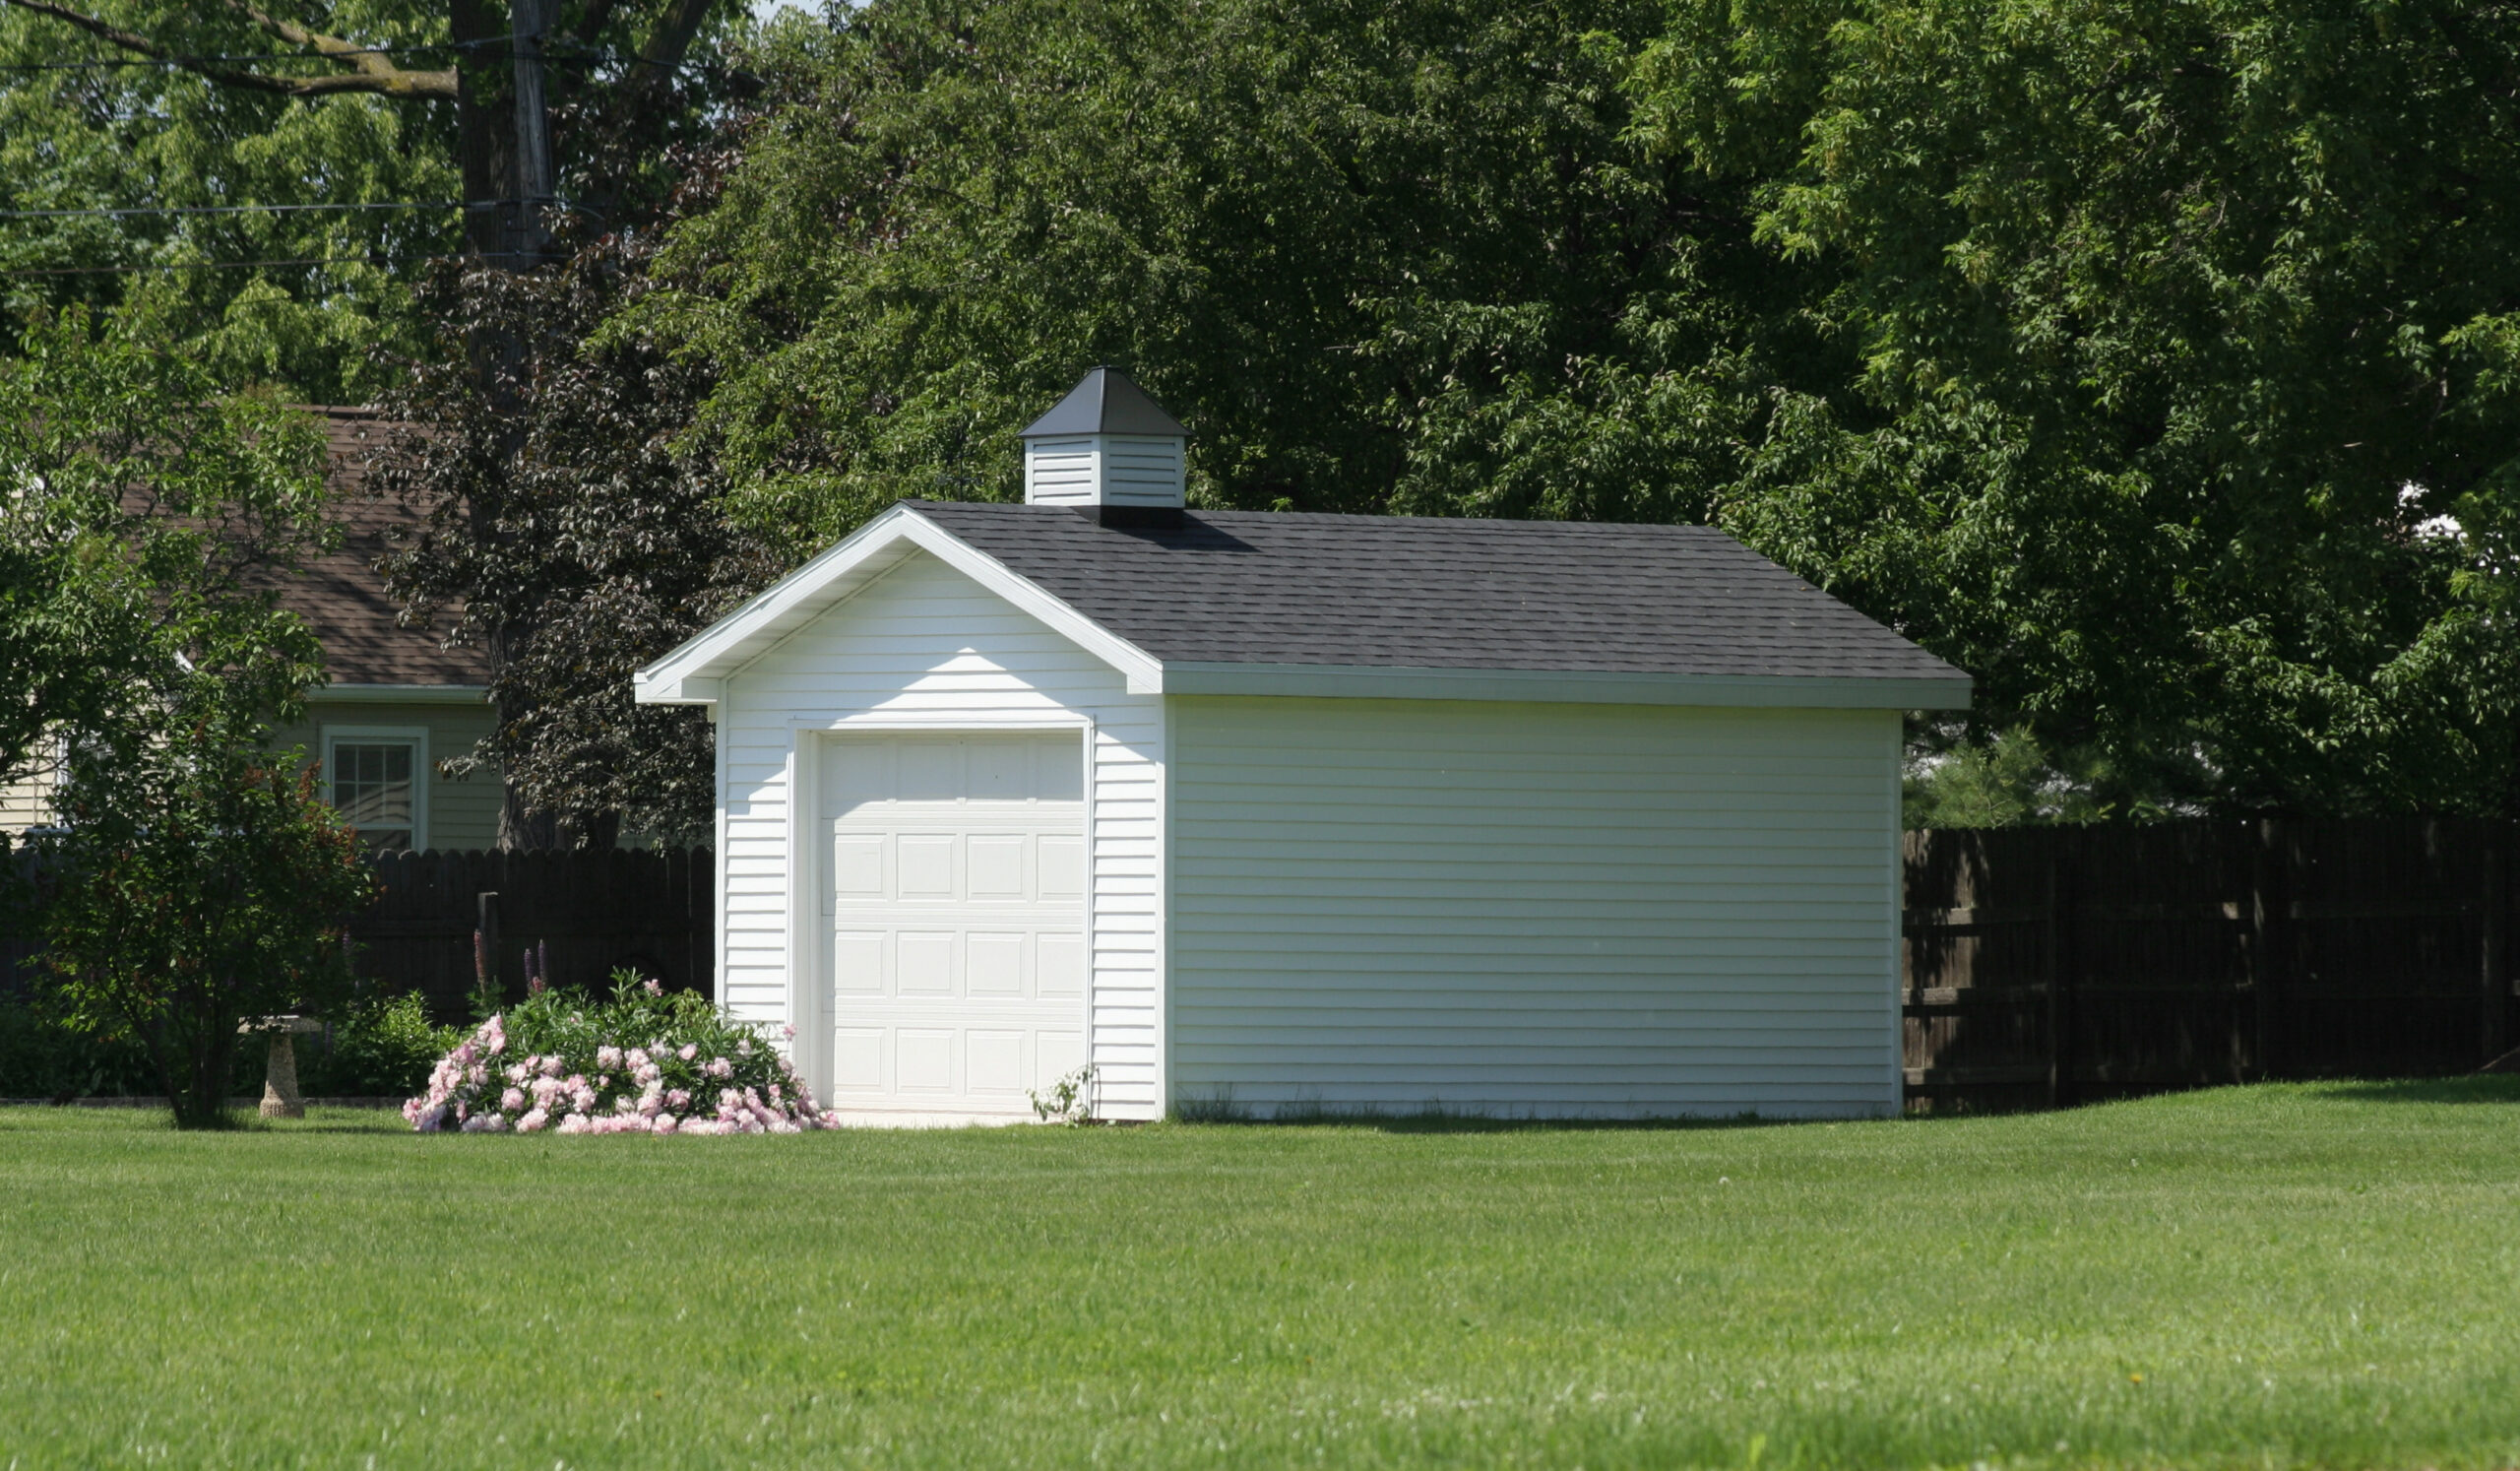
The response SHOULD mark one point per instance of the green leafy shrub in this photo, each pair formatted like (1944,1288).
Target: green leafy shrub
(381,1048)
(41,1057)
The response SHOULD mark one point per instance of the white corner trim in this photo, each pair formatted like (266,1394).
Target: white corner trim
(400,694)
(1577,686)
(692,673)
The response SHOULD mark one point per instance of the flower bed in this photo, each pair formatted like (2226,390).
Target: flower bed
(643,1062)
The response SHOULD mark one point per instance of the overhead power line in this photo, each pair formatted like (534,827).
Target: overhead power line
(218,265)
(552,202)
(315,260)
(276,208)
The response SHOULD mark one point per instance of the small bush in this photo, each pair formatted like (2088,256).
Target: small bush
(381,1048)
(42,1056)
(645,1062)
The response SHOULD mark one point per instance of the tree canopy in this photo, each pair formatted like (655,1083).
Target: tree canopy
(326,155)
(2149,360)
(2154,362)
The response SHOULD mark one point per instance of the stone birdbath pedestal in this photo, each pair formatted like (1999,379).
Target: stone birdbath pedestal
(279,1077)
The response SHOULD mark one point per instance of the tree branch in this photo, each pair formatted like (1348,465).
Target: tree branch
(374,73)
(666,46)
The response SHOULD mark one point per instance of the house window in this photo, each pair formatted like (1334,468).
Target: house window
(378,785)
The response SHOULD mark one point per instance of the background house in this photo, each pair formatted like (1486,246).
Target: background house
(1281,811)
(397,702)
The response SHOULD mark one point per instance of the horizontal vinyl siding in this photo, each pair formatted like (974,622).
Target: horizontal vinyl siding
(923,643)
(1543,910)
(27,802)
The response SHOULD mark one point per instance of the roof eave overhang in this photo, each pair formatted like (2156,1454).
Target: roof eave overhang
(352,693)
(695,672)
(1575,686)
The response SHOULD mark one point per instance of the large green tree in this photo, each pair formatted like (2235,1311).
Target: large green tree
(373,104)
(192,876)
(145,518)
(2153,362)
(1382,256)
(2184,414)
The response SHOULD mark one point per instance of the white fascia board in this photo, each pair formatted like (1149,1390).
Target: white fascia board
(400,694)
(693,674)
(1577,686)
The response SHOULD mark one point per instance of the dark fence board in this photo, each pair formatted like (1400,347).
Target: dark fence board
(593,912)
(2047,966)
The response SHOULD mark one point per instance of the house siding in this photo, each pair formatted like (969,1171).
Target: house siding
(27,802)
(1523,909)
(924,645)
(463,813)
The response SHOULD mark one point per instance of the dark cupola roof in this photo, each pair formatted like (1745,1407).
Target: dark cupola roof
(1108,402)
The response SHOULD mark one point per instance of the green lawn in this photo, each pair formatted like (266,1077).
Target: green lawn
(2268,1276)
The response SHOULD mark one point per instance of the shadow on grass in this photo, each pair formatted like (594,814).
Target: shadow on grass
(1438,1121)
(2485,1088)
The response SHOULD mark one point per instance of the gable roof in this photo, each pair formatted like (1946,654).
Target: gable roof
(1107,402)
(341,596)
(1262,603)
(1258,587)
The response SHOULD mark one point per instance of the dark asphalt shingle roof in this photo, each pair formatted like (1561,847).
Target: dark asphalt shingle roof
(1255,586)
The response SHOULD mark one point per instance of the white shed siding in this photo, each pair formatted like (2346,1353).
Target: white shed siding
(925,646)
(1535,909)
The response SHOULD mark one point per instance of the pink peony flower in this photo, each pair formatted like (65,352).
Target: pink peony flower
(690,1049)
(680,1098)
(551,1066)
(608,1058)
(655,988)
(533,1121)
(512,1099)
(665,1123)
(743,1047)
(572,1125)
(636,1057)
(787,1029)
(720,1067)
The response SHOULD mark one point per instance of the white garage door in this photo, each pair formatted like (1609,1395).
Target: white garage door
(954,885)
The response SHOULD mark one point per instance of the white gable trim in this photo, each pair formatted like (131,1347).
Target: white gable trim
(692,674)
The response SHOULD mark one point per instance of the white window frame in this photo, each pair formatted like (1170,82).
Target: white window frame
(417,738)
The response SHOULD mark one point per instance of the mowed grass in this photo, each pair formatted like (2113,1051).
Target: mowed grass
(2307,1275)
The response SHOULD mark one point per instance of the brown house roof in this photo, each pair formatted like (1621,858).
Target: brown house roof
(343,598)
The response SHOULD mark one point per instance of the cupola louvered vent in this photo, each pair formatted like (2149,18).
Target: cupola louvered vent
(1106,445)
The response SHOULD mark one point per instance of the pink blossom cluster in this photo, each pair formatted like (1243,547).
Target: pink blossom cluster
(478,1088)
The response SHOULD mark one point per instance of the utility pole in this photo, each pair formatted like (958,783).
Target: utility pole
(528,21)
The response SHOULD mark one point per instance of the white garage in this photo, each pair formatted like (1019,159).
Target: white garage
(1253,813)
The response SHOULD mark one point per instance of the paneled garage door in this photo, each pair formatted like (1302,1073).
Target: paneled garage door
(954,887)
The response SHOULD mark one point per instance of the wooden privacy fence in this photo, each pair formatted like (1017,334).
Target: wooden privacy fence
(2050,966)
(591,912)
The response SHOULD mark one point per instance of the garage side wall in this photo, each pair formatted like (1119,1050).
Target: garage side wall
(1534,910)
(926,647)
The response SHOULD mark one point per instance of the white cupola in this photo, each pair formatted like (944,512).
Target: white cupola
(1106,445)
